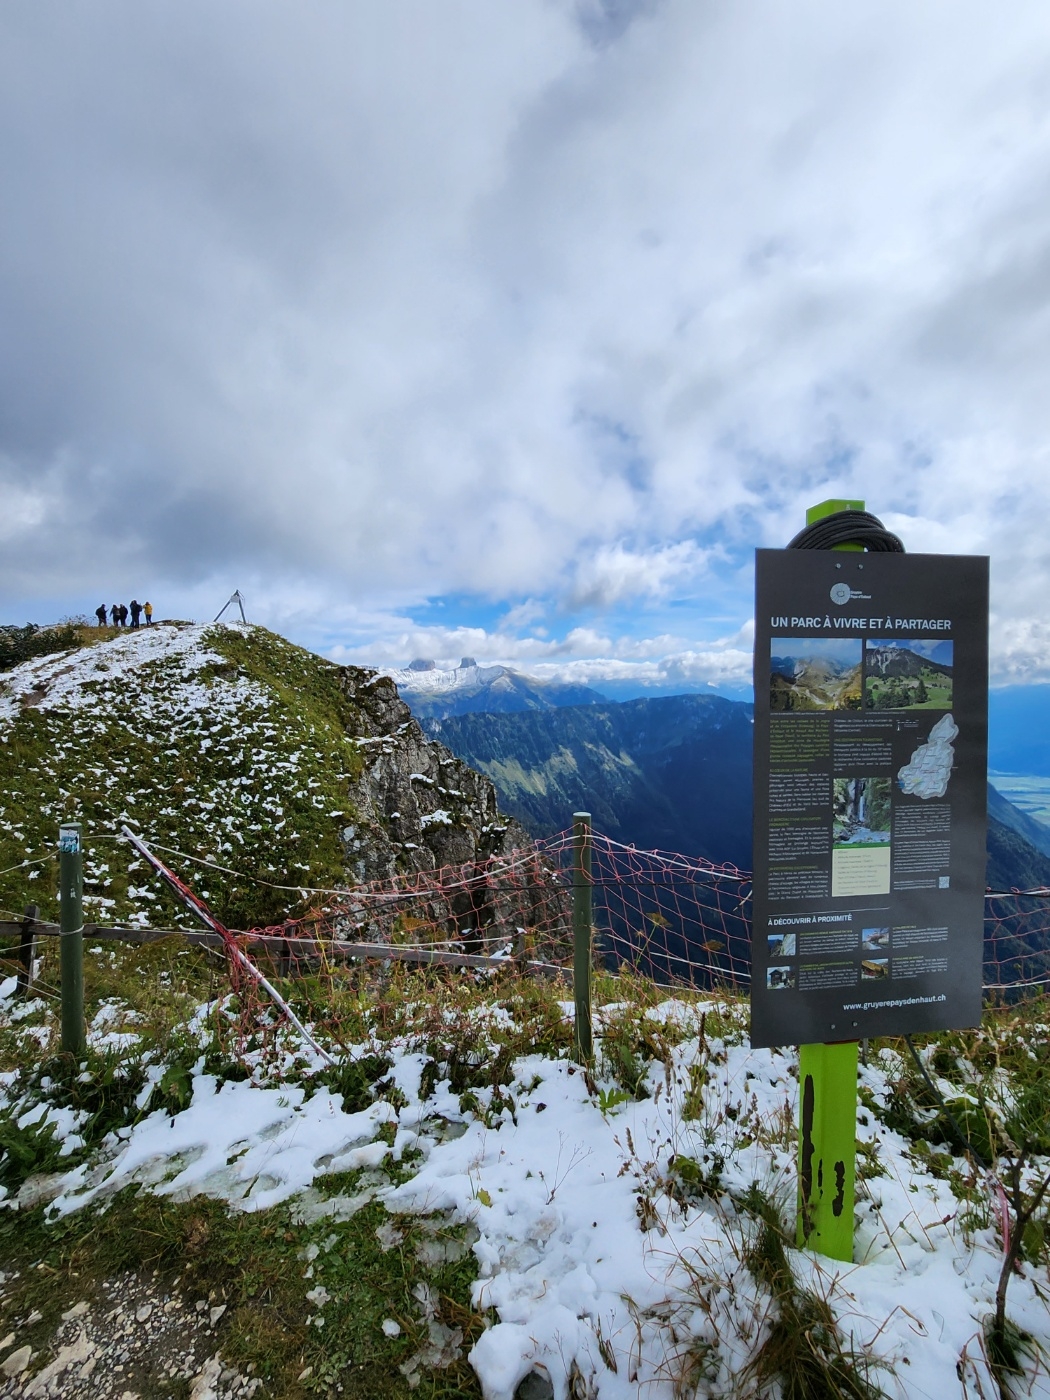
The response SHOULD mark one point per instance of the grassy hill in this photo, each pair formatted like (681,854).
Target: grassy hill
(456,1201)
(226,744)
(929,688)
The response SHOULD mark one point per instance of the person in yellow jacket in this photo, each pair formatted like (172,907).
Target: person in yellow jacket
(147,608)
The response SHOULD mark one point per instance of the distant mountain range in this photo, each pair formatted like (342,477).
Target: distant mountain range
(1001,809)
(671,772)
(814,683)
(470,689)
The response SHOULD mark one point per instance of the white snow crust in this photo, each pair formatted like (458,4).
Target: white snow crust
(68,680)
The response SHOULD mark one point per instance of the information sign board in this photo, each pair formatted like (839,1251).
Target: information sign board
(871,719)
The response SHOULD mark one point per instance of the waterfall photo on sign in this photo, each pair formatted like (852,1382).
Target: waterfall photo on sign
(862,811)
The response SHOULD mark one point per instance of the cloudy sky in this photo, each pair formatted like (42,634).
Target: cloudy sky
(510,327)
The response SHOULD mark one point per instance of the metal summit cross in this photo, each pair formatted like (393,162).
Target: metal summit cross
(235,597)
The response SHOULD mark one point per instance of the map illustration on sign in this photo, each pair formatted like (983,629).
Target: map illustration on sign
(930,768)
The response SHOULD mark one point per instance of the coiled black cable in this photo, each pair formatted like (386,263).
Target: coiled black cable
(848,527)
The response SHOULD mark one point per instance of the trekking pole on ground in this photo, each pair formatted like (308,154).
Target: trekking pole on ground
(581,934)
(71,949)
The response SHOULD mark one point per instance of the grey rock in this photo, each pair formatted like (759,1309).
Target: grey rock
(39,1188)
(16,1363)
(418,808)
(534,1387)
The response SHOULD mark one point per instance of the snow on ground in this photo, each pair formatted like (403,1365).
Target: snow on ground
(594,1267)
(70,680)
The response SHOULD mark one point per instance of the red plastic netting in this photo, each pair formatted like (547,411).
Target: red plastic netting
(673,918)
(1017,943)
(678,919)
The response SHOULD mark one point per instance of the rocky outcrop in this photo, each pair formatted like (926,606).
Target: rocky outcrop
(419,807)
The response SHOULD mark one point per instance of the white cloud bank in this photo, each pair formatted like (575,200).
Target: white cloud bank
(558,300)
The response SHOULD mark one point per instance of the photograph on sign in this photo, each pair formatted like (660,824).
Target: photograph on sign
(870,773)
(804,675)
(908,675)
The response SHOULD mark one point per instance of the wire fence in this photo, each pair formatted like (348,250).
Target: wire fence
(678,920)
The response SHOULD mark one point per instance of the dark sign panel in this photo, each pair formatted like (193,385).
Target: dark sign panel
(871,719)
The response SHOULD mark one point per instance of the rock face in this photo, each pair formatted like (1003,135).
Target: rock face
(419,806)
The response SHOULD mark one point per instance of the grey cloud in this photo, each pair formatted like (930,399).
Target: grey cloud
(403,299)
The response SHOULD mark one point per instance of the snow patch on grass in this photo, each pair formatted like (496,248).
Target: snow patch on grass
(614,1232)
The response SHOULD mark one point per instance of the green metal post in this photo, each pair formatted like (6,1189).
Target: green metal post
(71,924)
(581,935)
(827,1139)
(827,1148)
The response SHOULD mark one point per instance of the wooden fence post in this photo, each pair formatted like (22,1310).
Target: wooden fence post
(581,935)
(71,953)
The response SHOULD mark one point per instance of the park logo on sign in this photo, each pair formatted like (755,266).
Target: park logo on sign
(841,593)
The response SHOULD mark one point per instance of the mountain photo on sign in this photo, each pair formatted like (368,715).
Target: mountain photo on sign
(815,673)
(907,675)
(872,940)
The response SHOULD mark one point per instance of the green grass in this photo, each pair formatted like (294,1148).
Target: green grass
(804,1353)
(253,774)
(263,1265)
(938,691)
(256,1264)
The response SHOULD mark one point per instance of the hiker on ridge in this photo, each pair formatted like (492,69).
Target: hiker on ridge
(100,613)
(136,610)
(147,608)
(114,613)
(123,614)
